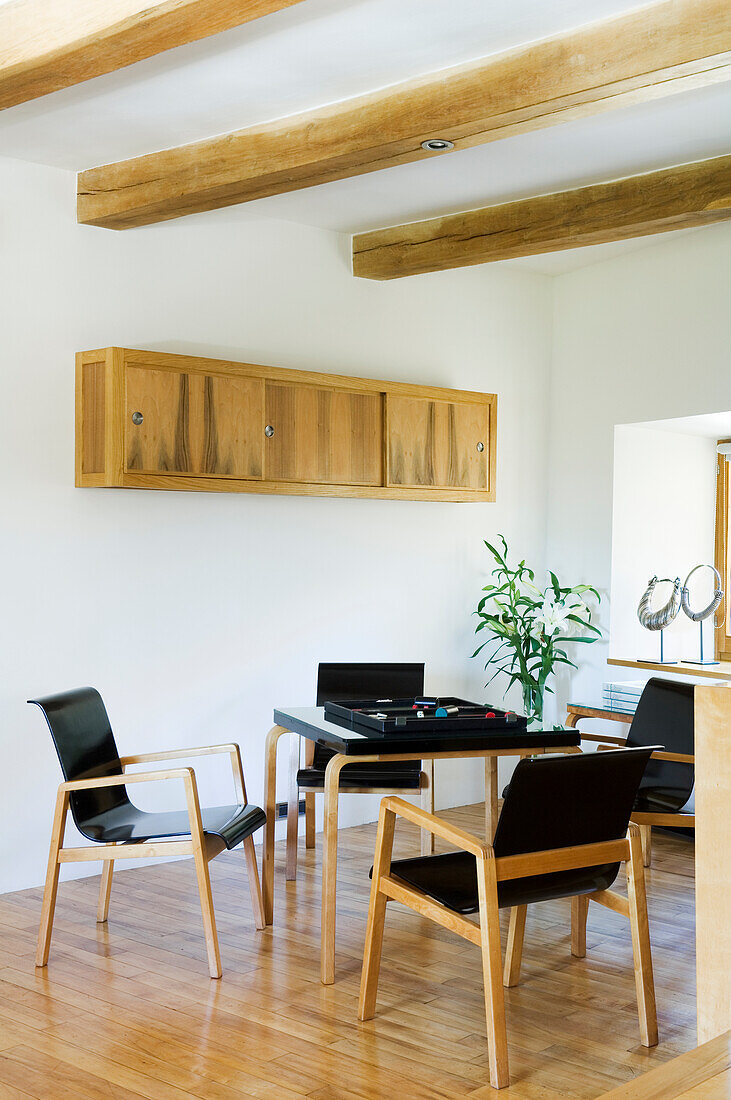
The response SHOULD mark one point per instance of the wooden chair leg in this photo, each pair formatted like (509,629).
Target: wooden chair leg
(105,890)
(51,887)
(204,879)
(646,838)
(514,950)
(491,797)
(376,917)
(309,820)
(497,1043)
(293,807)
(270,807)
(644,981)
(254,884)
(209,917)
(330,869)
(579,913)
(427,803)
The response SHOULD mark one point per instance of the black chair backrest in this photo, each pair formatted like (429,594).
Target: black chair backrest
(665,716)
(562,801)
(340,682)
(86,748)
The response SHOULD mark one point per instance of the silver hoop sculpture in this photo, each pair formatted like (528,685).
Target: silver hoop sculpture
(658,620)
(699,616)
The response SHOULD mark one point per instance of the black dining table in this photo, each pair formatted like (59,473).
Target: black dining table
(366,746)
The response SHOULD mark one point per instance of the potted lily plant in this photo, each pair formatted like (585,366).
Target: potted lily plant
(528,627)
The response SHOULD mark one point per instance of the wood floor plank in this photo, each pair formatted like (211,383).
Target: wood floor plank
(127,1010)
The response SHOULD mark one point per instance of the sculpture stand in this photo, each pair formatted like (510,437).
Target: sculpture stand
(662,660)
(701,660)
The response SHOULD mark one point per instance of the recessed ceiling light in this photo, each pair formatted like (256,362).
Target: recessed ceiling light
(437,145)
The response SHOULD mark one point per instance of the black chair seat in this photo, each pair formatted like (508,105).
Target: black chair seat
(126,823)
(452,880)
(388,776)
(664,800)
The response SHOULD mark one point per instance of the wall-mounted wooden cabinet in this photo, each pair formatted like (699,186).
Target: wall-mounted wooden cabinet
(149,420)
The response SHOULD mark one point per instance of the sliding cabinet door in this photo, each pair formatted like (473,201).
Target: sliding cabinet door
(437,444)
(323,435)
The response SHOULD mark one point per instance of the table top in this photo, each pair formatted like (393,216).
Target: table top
(310,722)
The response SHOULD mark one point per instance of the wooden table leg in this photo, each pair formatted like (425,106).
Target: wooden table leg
(491,795)
(270,806)
(427,803)
(330,869)
(293,807)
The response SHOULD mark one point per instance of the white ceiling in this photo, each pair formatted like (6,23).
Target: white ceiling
(321,51)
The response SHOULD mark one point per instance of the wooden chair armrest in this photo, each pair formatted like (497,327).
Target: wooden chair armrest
(203,750)
(561,859)
(433,824)
(679,757)
(173,754)
(602,737)
(186,774)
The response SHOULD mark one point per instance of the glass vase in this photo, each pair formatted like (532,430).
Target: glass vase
(533,706)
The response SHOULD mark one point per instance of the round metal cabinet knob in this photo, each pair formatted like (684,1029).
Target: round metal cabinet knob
(137,418)
(480,446)
(269,431)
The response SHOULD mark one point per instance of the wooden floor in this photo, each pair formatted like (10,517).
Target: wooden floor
(128,1010)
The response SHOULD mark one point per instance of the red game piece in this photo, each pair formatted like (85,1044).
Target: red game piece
(491,714)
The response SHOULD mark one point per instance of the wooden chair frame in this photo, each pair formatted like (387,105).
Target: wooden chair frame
(426,789)
(202,847)
(486,934)
(644,820)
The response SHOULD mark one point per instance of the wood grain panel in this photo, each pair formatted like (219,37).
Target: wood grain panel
(93,416)
(435,443)
(328,436)
(194,423)
(232,419)
(161,443)
(661,49)
(712,866)
(656,202)
(50,44)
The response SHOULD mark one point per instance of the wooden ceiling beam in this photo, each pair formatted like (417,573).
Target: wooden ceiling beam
(664,48)
(656,202)
(46,45)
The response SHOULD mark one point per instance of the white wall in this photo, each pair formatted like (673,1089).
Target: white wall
(641,337)
(664,511)
(195,614)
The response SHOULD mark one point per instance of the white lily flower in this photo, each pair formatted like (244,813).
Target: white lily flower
(553,616)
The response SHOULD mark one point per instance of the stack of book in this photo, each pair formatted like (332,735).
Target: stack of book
(623,695)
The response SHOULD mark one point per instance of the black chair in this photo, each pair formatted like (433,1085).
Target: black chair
(563,831)
(665,716)
(337,683)
(96,790)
